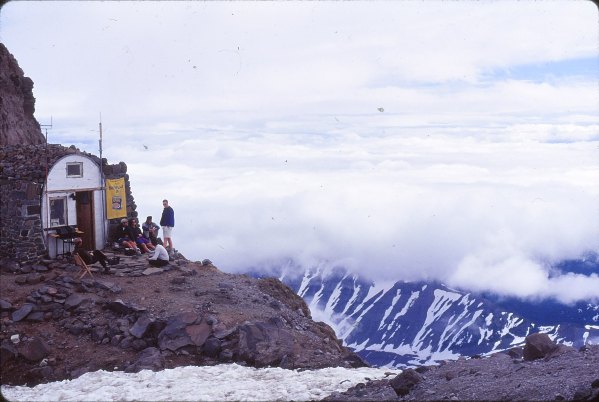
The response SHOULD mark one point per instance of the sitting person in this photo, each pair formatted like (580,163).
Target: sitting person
(160,257)
(150,230)
(126,236)
(144,244)
(90,258)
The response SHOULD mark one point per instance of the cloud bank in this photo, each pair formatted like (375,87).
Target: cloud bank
(402,140)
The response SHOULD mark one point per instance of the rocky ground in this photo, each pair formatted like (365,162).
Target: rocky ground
(55,326)
(541,371)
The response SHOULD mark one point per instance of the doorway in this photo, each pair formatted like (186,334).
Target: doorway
(85,218)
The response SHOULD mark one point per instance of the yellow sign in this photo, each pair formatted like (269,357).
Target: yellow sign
(116,200)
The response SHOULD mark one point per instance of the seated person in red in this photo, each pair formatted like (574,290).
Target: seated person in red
(144,244)
(126,236)
(90,258)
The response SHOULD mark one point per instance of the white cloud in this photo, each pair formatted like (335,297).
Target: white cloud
(263,130)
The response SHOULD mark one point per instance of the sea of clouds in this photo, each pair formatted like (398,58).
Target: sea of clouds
(478,214)
(401,140)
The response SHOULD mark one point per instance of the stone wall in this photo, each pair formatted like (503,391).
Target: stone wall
(23,169)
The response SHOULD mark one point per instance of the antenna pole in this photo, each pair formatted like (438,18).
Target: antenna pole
(45,193)
(102,188)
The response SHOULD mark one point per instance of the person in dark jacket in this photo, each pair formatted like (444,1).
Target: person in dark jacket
(144,244)
(126,235)
(167,221)
(90,258)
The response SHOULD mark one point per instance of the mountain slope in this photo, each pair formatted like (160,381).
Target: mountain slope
(409,323)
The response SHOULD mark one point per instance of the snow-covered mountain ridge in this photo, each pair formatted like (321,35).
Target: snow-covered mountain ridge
(411,323)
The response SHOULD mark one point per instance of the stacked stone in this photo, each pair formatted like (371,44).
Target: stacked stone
(23,170)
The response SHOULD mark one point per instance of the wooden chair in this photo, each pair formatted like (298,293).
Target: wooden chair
(84,268)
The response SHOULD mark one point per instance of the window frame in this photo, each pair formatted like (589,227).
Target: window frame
(72,164)
(52,217)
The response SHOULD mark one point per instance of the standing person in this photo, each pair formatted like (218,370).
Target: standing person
(167,221)
(159,258)
(150,230)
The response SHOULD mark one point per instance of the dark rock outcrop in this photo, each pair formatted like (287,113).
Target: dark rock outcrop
(17,104)
(538,346)
(563,374)
(210,318)
(403,383)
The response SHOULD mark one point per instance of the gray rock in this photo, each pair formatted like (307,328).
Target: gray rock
(34,350)
(36,316)
(138,344)
(212,347)
(120,307)
(22,312)
(40,268)
(73,301)
(404,382)
(5,306)
(264,343)
(147,359)
(141,326)
(178,280)
(111,286)
(537,346)
(174,336)
(98,333)
(152,271)
(198,333)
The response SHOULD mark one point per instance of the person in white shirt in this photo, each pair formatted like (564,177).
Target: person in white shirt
(160,257)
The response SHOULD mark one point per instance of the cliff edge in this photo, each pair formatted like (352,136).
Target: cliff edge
(17,104)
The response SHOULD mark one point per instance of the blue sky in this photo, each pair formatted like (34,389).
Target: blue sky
(445,140)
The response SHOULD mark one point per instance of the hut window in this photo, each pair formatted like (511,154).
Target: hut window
(75,169)
(58,211)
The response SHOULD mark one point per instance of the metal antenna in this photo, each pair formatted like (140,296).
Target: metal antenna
(46,126)
(102,187)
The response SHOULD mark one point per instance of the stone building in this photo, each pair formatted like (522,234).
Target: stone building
(43,186)
(26,198)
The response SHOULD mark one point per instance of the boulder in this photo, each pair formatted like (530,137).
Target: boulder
(264,344)
(537,346)
(73,301)
(22,312)
(212,347)
(174,336)
(34,350)
(141,326)
(5,306)
(404,382)
(198,333)
(120,307)
(147,359)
